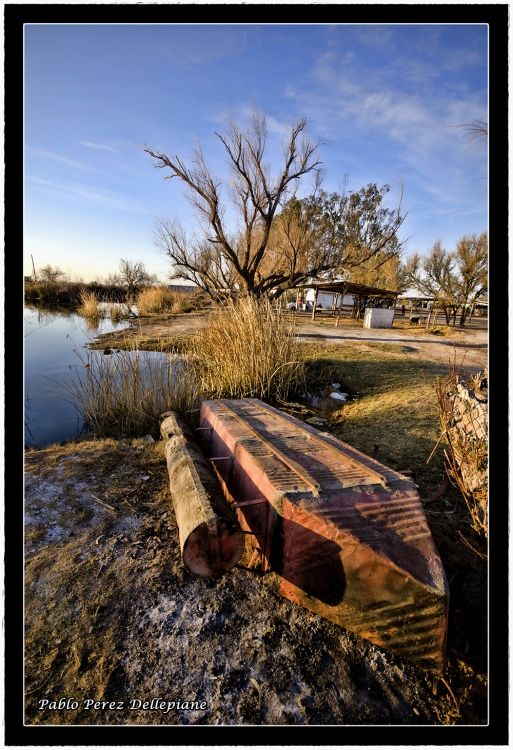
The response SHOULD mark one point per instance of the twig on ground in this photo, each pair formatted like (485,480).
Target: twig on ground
(40,686)
(102,503)
(465,541)
(452,695)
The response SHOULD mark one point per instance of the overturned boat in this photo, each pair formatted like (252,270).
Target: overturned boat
(333,530)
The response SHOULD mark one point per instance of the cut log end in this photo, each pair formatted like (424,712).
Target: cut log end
(206,557)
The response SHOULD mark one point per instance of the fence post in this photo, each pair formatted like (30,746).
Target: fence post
(315,302)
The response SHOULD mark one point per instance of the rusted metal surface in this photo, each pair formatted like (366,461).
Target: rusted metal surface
(355,547)
(211,540)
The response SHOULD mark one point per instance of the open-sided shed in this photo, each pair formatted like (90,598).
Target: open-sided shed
(343,288)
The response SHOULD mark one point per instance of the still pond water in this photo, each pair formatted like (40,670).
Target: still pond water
(54,339)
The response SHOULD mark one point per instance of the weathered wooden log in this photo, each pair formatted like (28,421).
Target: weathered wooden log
(211,539)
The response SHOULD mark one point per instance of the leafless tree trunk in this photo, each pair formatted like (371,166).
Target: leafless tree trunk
(221,258)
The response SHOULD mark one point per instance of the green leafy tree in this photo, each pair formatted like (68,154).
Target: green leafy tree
(471,258)
(456,280)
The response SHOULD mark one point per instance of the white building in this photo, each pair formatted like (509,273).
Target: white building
(325,300)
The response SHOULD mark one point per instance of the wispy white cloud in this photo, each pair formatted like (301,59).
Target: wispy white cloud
(89,195)
(49,156)
(101,146)
(461,58)
(201,45)
(117,145)
(375,36)
(371,102)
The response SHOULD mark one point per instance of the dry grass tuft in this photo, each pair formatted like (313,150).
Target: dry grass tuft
(160,299)
(249,350)
(467,453)
(118,312)
(88,307)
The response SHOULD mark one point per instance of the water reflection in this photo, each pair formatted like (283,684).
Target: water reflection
(53,335)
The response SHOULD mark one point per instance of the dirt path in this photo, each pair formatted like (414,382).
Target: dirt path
(472,342)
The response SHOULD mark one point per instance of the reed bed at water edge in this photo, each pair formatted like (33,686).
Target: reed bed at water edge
(247,349)
(160,299)
(124,393)
(89,307)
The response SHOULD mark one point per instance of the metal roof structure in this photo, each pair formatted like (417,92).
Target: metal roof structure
(348,287)
(412,293)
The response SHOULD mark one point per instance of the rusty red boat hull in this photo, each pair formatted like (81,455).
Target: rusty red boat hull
(336,531)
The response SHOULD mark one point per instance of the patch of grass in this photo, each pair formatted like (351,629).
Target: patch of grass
(442,331)
(385,347)
(118,312)
(170,344)
(395,411)
(124,393)
(36,534)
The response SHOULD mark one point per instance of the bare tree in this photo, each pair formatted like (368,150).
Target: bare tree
(221,256)
(133,275)
(475,134)
(49,273)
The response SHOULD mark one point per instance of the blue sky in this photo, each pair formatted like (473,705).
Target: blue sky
(384,97)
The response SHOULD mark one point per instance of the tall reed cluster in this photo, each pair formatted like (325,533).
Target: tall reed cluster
(247,349)
(125,392)
(89,307)
(161,299)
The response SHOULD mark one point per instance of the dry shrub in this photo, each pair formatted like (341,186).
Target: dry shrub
(160,299)
(126,391)
(88,307)
(467,453)
(249,350)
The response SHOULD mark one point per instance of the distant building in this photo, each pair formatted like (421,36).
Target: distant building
(327,299)
(187,288)
(415,294)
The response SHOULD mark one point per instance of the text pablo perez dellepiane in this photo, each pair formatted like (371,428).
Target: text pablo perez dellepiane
(156,704)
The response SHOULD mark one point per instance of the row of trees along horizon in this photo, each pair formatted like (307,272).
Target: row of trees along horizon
(280,241)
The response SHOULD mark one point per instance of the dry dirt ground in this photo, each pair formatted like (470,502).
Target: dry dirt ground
(472,340)
(112,615)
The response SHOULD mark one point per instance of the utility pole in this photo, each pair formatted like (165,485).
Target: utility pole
(33,266)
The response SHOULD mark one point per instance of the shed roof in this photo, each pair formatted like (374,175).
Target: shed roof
(348,287)
(412,293)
